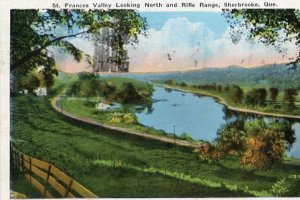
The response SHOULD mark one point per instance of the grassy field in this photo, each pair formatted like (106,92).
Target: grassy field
(79,107)
(113,164)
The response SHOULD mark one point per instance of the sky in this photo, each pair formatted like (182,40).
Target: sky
(181,41)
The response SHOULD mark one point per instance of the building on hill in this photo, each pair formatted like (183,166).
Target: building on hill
(41,91)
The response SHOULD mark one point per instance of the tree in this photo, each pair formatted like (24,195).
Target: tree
(236,94)
(231,140)
(286,128)
(208,152)
(129,94)
(253,127)
(30,83)
(256,143)
(183,84)
(169,82)
(34,31)
(74,89)
(263,149)
(273,93)
(256,96)
(289,98)
(268,26)
(109,91)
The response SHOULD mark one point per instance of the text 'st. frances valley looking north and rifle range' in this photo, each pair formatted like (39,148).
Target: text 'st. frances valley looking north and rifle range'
(101,5)
(120,103)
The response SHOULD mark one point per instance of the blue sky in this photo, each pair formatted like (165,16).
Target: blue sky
(213,20)
(193,40)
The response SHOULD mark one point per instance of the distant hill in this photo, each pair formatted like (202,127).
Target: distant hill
(279,75)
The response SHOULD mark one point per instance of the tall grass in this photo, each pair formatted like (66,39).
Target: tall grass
(181,176)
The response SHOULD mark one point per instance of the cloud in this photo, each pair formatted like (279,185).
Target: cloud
(193,46)
(66,62)
(175,47)
(184,45)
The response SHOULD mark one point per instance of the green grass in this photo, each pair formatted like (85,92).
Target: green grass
(88,154)
(20,185)
(78,106)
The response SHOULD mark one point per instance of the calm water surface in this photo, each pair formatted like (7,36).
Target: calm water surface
(199,116)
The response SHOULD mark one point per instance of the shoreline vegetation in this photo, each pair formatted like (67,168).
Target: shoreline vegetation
(75,98)
(78,110)
(150,135)
(222,101)
(78,103)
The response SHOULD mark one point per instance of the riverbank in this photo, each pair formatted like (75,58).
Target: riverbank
(54,103)
(106,161)
(221,100)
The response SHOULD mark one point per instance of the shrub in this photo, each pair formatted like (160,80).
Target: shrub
(170,82)
(264,149)
(208,152)
(231,140)
(186,136)
(129,94)
(128,118)
(183,84)
(287,186)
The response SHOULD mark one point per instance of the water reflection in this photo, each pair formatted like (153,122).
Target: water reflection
(202,117)
(286,124)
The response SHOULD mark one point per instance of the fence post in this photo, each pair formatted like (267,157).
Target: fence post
(30,171)
(69,188)
(22,163)
(17,161)
(47,181)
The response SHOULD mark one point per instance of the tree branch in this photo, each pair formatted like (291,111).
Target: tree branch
(16,64)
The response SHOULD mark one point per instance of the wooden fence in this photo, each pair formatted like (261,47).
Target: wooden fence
(46,177)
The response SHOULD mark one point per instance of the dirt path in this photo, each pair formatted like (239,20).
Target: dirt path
(244,110)
(124,130)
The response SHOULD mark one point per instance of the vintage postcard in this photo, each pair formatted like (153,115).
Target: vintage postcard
(150,99)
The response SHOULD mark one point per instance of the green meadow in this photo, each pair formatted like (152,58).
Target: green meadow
(114,164)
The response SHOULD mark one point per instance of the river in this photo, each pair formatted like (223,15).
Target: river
(200,116)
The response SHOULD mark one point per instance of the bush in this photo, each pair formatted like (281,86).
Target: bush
(208,152)
(183,84)
(258,145)
(118,118)
(287,186)
(30,83)
(231,140)
(129,94)
(186,136)
(264,149)
(170,82)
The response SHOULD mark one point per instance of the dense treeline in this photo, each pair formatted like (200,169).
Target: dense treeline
(115,89)
(276,75)
(254,98)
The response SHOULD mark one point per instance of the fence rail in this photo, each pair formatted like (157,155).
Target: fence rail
(44,176)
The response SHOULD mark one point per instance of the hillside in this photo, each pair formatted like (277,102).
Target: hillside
(268,75)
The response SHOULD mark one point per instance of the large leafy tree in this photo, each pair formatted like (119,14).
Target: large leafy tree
(256,143)
(33,32)
(289,98)
(268,26)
